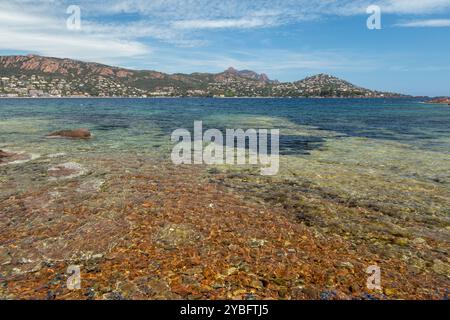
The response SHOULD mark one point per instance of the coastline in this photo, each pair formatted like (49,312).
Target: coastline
(220,98)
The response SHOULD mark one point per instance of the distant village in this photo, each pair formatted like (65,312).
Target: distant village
(35,77)
(36,86)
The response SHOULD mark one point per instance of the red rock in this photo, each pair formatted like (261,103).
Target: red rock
(76,134)
(4,154)
(66,170)
(440,101)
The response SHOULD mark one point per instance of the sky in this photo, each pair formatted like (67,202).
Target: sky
(286,39)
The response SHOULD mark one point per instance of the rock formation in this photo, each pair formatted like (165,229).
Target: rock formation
(74,134)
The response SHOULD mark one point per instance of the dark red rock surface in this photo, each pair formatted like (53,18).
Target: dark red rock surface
(75,134)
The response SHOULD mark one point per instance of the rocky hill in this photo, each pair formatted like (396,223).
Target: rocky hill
(325,85)
(32,64)
(248,74)
(34,76)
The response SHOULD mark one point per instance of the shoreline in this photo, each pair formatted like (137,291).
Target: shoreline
(219,98)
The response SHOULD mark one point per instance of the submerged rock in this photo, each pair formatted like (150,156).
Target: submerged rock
(5,156)
(419,241)
(91,186)
(74,134)
(5,258)
(257,243)
(175,235)
(66,171)
(347,265)
(57,155)
(441,267)
(444,100)
(15,158)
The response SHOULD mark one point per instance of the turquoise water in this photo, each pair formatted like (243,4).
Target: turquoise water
(305,123)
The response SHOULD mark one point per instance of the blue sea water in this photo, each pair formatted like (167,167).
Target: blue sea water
(130,123)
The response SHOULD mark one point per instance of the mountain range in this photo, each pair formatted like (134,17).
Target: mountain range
(37,76)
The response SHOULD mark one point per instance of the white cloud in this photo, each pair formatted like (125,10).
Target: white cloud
(242,23)
(24,20)
(434,23)
(95,48)
(106,35)
(415,6)
(235,9)
(29,28)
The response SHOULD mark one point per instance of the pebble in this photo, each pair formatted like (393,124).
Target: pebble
(441,267)
(347,264)
(401,241)
(419,241)
(390,291)
(257,243)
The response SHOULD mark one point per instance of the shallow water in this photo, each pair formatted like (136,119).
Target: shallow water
(359,141)
(375,173)
(394,137)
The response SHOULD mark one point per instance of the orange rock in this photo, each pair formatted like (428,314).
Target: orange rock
(75,134)
(440,101)
(4,154)
(148,204)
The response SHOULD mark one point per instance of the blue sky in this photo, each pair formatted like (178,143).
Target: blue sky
(287,39)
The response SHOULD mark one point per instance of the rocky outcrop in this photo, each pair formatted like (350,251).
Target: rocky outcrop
(444,100)
(7,158)
(74,134)
(4,155)
(34,64)
(247,74)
